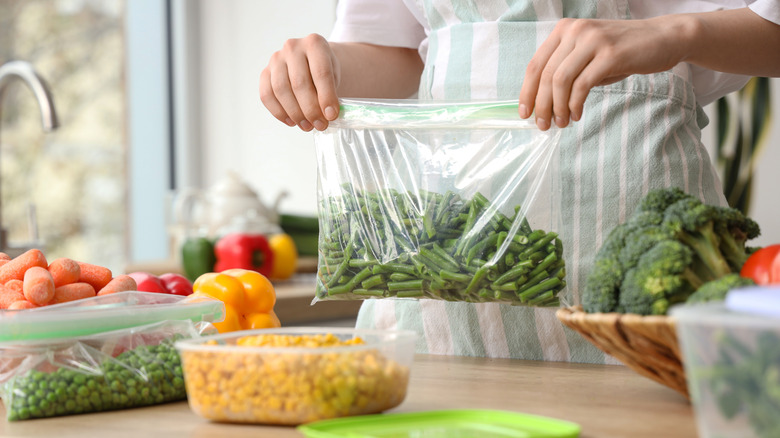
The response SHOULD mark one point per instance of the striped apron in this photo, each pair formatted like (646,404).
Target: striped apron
(635,135)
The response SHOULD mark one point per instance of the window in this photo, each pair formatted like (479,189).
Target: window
(69,184)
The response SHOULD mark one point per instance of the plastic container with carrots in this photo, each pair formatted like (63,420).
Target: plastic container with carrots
(292,376)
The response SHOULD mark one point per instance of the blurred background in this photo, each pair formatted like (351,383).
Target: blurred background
(158,97)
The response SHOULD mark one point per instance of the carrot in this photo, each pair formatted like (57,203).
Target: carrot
(120,283)
(15,269)
(9,296)
(15,285)
(71,292)
(64,271)
(97,276)
(38,286)
(4,256)
(23,304)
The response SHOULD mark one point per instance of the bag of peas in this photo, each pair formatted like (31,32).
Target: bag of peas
(120,369)
(456,201)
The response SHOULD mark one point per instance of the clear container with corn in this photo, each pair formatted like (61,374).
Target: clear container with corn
(291,376)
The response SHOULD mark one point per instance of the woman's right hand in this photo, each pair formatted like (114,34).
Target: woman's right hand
(298,86)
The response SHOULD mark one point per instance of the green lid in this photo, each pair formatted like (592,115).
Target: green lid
(443,424)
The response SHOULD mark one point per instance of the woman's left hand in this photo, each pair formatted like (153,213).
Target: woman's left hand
(580,54)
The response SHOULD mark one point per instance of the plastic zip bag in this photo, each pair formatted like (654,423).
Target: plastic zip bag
(121,369)
(443,200)
(105,313)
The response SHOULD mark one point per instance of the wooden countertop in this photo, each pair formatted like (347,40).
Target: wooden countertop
(606,400)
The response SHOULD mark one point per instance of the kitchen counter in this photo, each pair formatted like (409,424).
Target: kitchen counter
(606,400)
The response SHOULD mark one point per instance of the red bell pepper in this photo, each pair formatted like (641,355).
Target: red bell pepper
(244,251)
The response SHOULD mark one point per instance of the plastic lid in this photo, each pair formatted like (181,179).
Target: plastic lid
(105,313)
(443,424)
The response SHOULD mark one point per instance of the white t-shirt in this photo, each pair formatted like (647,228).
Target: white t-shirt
(400,23)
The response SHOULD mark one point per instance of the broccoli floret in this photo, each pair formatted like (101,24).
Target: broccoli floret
(659,200)
(603,286)
(717,289)
(736,229)
(671,245)
(661,277)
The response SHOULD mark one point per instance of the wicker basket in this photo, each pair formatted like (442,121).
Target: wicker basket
(646,344)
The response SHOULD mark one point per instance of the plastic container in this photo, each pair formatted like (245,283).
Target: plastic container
(120,369)
(482,423)
(105,313)
(291,385)
(732,365)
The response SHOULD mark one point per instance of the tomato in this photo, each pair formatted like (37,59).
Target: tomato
(176,284)
(763,266)
(147,282)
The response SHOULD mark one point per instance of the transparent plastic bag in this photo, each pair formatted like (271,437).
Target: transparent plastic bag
(120,369)
(105,313)
(443,200)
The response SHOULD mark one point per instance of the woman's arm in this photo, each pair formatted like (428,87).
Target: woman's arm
(580,54)
(302,82)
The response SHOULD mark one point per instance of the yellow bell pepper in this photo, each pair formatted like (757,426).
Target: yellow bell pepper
(285,256)
(246,294)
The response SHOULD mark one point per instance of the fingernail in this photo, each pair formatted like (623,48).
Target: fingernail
(560,122)
(289,122)
(305,125)
(523,111)
(330,113)
(542,124)
(320,125)
(575,117)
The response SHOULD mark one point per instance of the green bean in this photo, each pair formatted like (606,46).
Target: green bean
(448,275)
(442,246)
(409,293)
(404,285)
(374,280)
(399,276)
(369,292)
(541,287)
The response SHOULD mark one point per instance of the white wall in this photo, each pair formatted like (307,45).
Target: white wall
(238,37)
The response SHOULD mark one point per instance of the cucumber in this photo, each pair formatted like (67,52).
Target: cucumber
(293,222)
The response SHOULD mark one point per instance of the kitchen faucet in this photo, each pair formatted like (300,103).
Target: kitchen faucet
(26,73)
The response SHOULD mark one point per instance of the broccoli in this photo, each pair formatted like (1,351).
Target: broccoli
(716,290)
(671,246)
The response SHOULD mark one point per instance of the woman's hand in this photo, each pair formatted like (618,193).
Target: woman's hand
(580,54)
(302,82)
(299,84)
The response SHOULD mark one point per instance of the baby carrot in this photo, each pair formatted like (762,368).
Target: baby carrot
(4,256)
(22,304)
(15,269)
(15,285)
(71,292)
(9,296)
(64,271)
(38,286)
(120,283)
(97,276)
